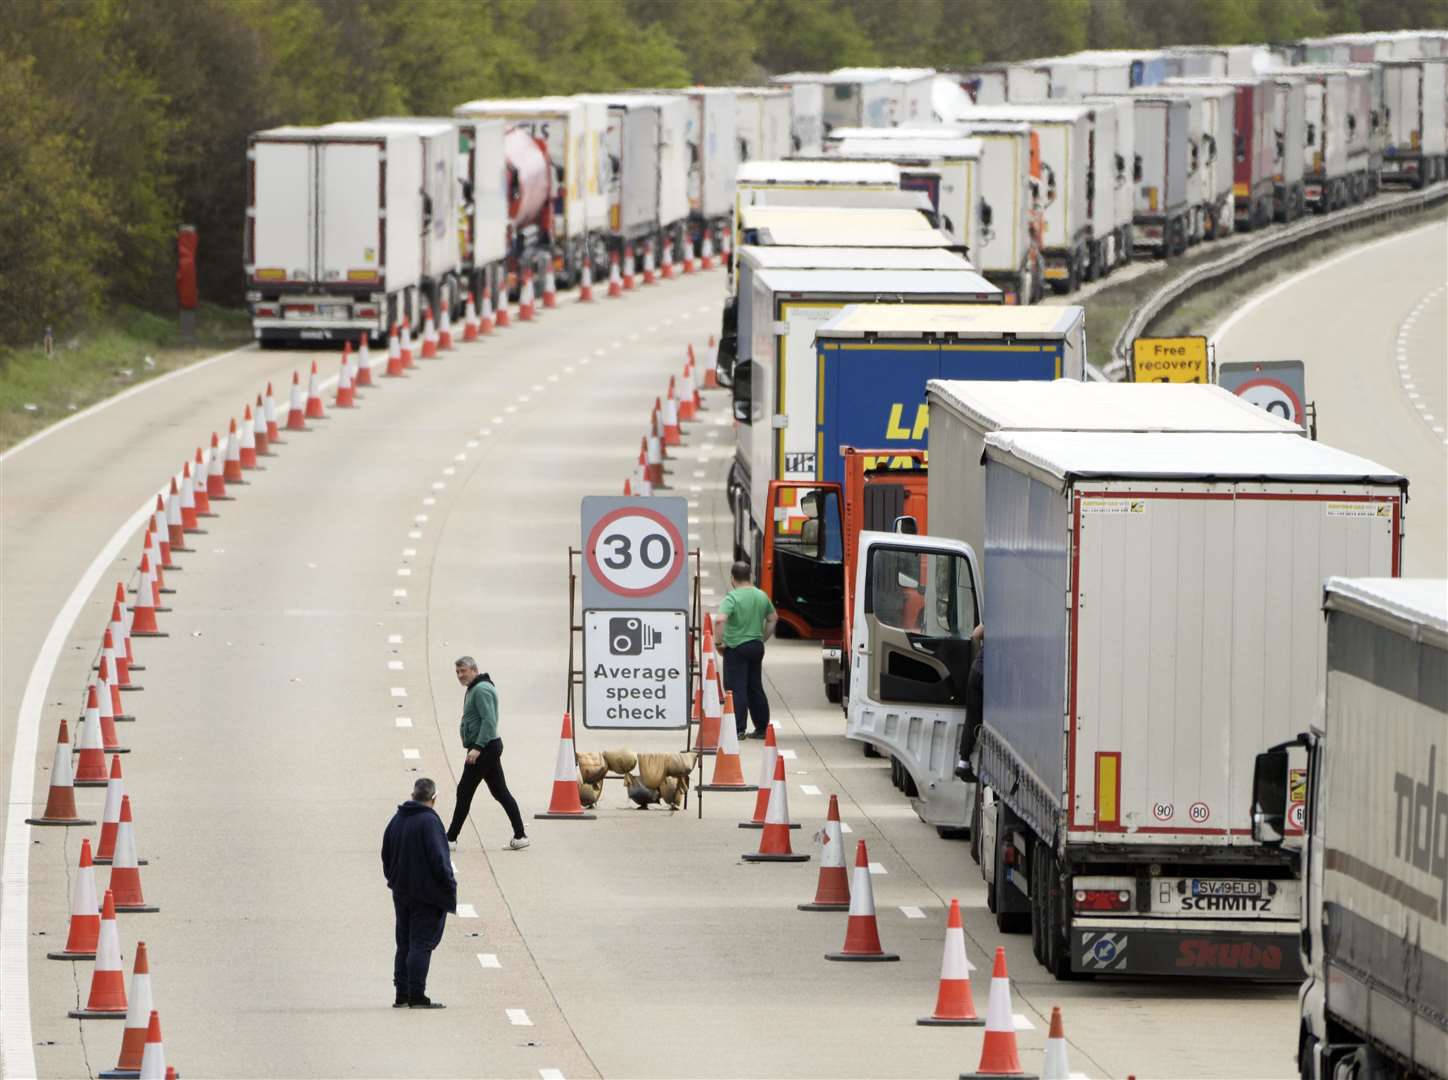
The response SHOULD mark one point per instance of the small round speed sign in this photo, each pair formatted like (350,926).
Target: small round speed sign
(635,551)
(1275,396)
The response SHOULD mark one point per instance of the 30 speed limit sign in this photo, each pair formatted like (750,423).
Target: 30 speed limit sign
(634,552)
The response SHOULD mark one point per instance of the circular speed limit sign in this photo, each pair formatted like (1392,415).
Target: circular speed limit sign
(635,551)
(1275,396)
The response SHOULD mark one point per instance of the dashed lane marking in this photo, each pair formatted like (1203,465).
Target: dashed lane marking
(845,827)
(439,485)
(411,754)
(1022,1022)
(429,501)
(414,534)
(552,1074)
(394,639)
(809,789)
(519,1018)
(421,519)
(467,911)
(788,755)
(910,911)
(408,553)
(403,721)
(404,571)
(399,592)
(399,691)
(394,665)
(488,960)
(878,868)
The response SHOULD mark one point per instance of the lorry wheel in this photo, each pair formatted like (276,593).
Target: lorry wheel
(907,784)
(870,751)
(833,692)
(975,812)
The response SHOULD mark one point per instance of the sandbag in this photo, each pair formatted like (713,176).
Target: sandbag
(669,789)
(681,765)
(680,791)
(652,769)
(588,794)
(621,761)
(592,767)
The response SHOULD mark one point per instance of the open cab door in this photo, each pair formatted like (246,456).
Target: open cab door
(802,568)
(916,602)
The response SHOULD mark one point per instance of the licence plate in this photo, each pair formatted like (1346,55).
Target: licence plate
(1218,896)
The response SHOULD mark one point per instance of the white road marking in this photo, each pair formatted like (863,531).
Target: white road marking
(467,911)
(471,444)
(408,553)
(788,755)
(809,789)
(394,665)
(568,369)
(399,592)
(487,431)
(537,388)
(399,691)
(557,1074)
(459,457)
(845,827)
(450,471)
(552,378)
(403,721)
(429,501)
(1022,1022)
(524,398)
(439,485)
(699,474)
(706,591)
(596,352)
(878,868)
(394,639)
(414,534)
(488,960)
(410,754)
(910,911)
(519,1018)
(421,519)
(510,409)
(404,571)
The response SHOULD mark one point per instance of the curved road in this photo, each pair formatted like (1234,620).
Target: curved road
(308,679)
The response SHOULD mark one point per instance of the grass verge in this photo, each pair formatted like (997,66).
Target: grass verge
(102,359)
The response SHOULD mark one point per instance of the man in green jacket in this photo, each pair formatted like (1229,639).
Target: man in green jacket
(484,748)
(746,621)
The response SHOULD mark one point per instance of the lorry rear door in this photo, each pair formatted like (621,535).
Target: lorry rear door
(802,563)
(283,212)
(916,603)
(350,195)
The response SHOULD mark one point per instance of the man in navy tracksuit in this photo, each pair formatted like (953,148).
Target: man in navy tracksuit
(419,873)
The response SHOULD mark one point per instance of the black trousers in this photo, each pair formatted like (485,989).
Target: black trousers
(488,769)
(419,930)
(744,677)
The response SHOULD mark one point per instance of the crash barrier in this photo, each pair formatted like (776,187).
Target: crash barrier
(1271,244)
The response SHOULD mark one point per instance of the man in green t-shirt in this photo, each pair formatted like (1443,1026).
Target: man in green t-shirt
(745,622)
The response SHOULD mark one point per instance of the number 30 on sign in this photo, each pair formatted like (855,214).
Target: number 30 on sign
(635,551)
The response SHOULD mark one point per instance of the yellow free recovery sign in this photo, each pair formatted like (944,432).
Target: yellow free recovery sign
(1181,359)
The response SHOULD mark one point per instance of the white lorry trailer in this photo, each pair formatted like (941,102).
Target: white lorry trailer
(348,228)
(763,122)
(711,156)
(807,118)
(1121,726)
(996,84)
(648,189)
(947,170)
(1160,222)
(1417,133)
(1340,116)
(573,130)
(1289,158)
(1210,166)
(1373,804)
(923,738)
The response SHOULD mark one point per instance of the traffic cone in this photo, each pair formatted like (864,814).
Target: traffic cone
(628,493)
(444,328)
(143,611)
(766,780)
(470,320)
(774,841)
(429,334)
(585,282)
(954,1006)
(406,343)
(111,815)
(119,627)
(485,316)
(711,706)
(258,429)
(200,481)
(297,406)
(158,579)
(688,407)
(394,354)
(505,317)
(314,396)
(726,245)
(565,802)
(110,704)
(269,405)
(526,303)
(90,766)
(550,286)
(689,267)
(231,458)
(153,1055)
(138,1020)
(216,472)
(655,457)
(60,801)
(728,776)
(645,486)
(156,534)
(85,914)
(189,522)
(246,440)
(615,279)
(998,1054)
(107,1000)
(672,435)
(1056,1067)
(711,372)
(628,266)
(175,531)
(125,867)
(650,278)
(707,252)
(862,934)
(833,891)
(364,363)
(118,664)
(666,259)
(345,398)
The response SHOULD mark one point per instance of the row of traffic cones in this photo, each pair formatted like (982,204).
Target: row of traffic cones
(681,404)
(624,274)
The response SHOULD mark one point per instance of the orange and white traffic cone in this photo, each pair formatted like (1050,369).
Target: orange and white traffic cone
(216,472)
(628,266)
(644,484)
(149,549)
(85,913)
(505,317)
(565,802)
(650,278)
(314,396)
(585,281)
(766,779)
(627,494)
(122,630)
(470,319)
(126,867)
(666,259)
(689,266)
(526,300)
(728,776)
(862,933)
(246,440)
(175,531)
(189,524)
(688,406)
(90,765)
(230,461)
(297,406)
(954,1006)
(774,841)
(550,286)
(706,254)
(346,398)
(258,429)
(394,354)
(201,467)
(406,343)
(118,663)
(364,363)
(672,435)
(615,279)
(153,1056)
(138,1020)
(429,334)
(269,410)
(111,815)
(998,1054)
(109,698)
(655,453)
(60,801)
(726,245)
(107,1000)
(485,312)
(832,893)
(711,712)
(444,328)
(1056,1065)
(143,611)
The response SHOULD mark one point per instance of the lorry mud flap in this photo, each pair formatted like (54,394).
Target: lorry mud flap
(1217,953)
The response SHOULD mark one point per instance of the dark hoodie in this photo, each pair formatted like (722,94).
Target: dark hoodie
(415,857)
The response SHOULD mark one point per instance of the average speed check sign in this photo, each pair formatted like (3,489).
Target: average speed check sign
(634,552)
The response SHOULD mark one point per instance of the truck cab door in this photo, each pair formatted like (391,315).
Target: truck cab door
(802,567)
(916,603)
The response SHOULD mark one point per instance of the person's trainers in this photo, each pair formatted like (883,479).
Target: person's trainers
(424,1002)
(452,845)
(400,1002)
(518,843)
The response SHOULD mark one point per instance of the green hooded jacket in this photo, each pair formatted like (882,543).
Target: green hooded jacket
(480,714)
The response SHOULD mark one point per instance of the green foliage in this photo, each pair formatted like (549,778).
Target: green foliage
(125,118)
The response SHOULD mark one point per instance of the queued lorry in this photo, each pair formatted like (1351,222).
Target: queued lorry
(1289,159)
(806,118)
(1210,157)
(711,157)
(1415,150)
(1340,120)
(922,739)
(872,362)
(349,228)
(763,122)
(1161,221)
(869,97)
(994,84)
(1372,804)
(569,135)
(1112,808)
(1253,148)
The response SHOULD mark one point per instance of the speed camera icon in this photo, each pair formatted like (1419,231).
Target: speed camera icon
(630,637)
